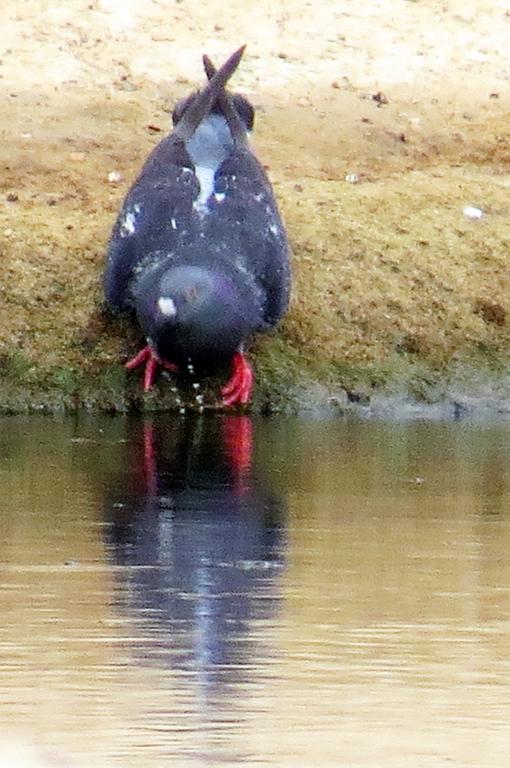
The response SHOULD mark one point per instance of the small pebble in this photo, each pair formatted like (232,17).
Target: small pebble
(114,177)
(352,178)
(472,212)
(380,98)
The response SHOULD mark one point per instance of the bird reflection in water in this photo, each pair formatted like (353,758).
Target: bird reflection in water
(202,539)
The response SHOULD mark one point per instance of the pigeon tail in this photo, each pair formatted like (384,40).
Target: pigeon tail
(201,106)
(234,122)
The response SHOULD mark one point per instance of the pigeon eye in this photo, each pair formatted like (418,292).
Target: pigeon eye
(192,293)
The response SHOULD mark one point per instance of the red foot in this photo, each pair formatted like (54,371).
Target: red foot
(239,387)
(152,363)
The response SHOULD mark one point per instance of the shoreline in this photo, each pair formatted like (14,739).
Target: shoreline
(400,391)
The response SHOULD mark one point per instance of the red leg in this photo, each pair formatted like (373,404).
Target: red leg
(151,370)
(138,359)
(152,363)
(150,455)
(239,387)
(238,445)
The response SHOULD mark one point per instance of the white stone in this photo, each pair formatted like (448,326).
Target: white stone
(472,212)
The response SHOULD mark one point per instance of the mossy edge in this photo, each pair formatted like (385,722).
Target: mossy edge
(286,382)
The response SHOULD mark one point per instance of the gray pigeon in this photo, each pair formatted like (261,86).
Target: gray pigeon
(199,250)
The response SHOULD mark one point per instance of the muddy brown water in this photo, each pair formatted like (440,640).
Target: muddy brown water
(228,591)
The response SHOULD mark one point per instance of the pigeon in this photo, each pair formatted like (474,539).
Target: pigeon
(199,250)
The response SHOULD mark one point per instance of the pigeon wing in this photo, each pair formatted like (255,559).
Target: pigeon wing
(247,205)
(161,196)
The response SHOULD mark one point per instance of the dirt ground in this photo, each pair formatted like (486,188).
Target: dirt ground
(384,126)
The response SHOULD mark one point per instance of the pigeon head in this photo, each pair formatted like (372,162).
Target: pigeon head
(193,314)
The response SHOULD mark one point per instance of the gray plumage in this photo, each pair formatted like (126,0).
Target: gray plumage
(199,250)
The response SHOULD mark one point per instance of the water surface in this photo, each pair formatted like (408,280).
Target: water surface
(228,591)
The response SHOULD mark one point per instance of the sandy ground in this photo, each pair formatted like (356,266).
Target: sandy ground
(384,126)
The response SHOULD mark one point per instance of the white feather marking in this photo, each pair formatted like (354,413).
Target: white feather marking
(128,223)
(173,223)
(219,197)
(205,177)
(209,146)
(167,306)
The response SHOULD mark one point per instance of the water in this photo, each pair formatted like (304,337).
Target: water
(220,592)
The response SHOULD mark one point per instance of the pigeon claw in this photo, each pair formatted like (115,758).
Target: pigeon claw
(239,387)
(152,363)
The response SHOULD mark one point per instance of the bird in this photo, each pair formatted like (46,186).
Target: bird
(199,251)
